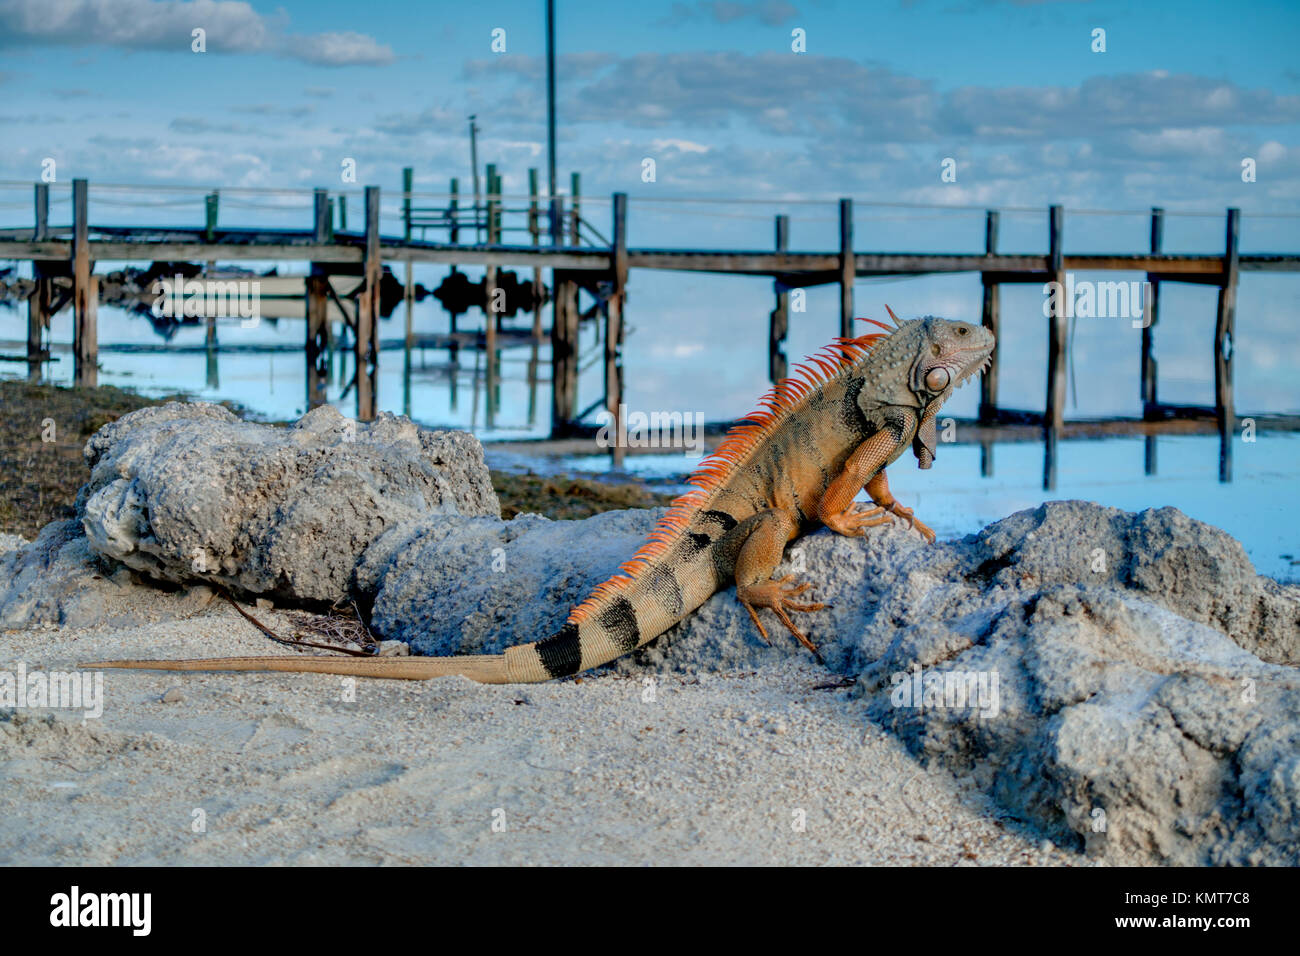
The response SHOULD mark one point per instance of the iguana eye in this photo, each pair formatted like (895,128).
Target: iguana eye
(962,330)
(937,379)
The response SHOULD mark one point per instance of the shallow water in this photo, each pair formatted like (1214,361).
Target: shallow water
(1256,507)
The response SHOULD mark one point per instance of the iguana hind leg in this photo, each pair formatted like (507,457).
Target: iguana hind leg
(758,557)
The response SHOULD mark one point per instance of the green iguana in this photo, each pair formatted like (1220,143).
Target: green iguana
(799,461)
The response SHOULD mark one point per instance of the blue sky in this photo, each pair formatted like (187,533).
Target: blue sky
(885,91)
(713,92)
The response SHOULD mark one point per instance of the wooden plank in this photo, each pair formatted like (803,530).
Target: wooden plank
(779,320)
(614,323)
(367,332)
(1148,361)
(1057,330)
(85,294)
(990,318)
(848,268)
(564,353)
(1224,345)
(815,268)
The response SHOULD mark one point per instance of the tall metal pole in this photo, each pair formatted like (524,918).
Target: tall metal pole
(473,162)
(550,120)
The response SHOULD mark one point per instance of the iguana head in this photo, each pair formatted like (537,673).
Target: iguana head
(949,354)
(920,364)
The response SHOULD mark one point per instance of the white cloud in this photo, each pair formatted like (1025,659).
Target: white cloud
(230,26)
(340,49)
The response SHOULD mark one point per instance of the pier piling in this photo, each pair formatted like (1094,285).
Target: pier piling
(85,294)
(367,330)
(317,306)
(848,268)
(614,307)
(779,320)
(1224,326)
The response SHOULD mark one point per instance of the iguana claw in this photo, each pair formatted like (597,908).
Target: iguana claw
(776,595)
(912,521)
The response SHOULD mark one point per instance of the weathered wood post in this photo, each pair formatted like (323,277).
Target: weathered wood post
(491,317)
(564,352)
(85,294)
(1057,336)
(367,331)
(1150,404)
(1224,327)
(575,212)
(210,318)
(614,324)
(490,206)
(535,234)
(343,213)
(1149,366)
(318,306)
(210,202)
(408,287)
(408,181)
(847,268)
(453,213)
(990,318)
(779,320)
(38,304)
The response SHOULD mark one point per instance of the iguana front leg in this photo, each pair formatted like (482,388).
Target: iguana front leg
(878,489)
(865,466)
(759,555)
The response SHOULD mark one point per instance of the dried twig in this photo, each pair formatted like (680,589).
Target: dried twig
(296,641)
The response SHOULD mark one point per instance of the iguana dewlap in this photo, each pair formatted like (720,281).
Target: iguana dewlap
(796,463)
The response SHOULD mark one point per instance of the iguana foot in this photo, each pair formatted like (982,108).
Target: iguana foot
(777,596)
(912,520)
(853,523)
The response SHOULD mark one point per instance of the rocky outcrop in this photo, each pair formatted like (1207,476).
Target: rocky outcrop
(189,492)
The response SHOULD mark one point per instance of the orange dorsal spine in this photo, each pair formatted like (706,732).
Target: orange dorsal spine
(776,406)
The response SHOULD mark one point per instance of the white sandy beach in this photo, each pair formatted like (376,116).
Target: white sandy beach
(717,769)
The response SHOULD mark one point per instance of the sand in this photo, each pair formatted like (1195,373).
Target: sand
(753,767)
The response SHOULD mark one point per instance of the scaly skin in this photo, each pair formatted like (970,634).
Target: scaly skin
(797,464)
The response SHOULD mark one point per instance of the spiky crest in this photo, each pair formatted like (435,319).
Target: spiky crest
(778,404)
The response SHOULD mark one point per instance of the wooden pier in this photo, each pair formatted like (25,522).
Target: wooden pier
(589,262)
